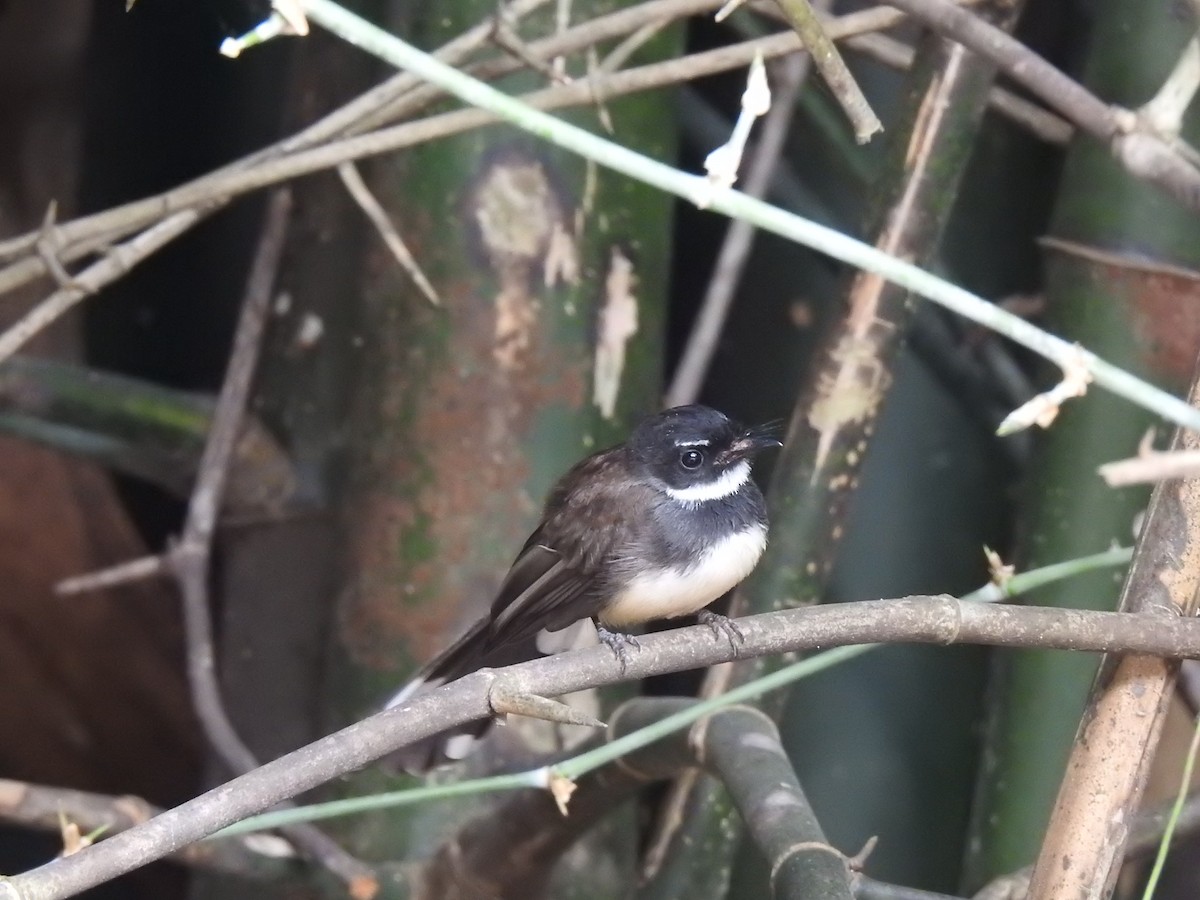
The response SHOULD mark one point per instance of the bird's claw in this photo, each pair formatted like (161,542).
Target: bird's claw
(617,641)
(722,627)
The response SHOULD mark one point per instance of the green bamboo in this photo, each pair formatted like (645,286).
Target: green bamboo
(702,191)
(545,346)
(817,473)
(1111,304)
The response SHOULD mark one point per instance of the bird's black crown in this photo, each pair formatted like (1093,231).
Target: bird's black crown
(693,445)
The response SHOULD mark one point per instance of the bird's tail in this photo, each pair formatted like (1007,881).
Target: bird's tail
(471,652)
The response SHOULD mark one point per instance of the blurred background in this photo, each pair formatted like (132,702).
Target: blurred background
(403,447)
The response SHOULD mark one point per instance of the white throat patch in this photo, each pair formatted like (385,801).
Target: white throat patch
(730,482)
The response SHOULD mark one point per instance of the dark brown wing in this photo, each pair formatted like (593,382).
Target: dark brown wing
(543,590)
(563,573)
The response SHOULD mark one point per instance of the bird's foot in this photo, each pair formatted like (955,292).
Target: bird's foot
(617,641)
(722,627)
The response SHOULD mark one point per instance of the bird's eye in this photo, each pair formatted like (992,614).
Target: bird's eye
(691,459)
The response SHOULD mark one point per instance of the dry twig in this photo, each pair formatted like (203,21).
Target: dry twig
(739,239)
(189,559)
(803,19)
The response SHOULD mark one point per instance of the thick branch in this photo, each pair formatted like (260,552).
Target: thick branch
(938,620)
(1110,762)
(742,747)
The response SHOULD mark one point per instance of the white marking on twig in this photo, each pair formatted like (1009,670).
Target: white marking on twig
(1043,409)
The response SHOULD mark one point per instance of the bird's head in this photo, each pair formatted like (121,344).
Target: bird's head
(696,453)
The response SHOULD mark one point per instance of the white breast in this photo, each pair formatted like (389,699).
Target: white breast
(680,592)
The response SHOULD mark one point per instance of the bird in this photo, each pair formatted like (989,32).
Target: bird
(657,527)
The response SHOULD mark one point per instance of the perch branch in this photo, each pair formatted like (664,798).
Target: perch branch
(939,620)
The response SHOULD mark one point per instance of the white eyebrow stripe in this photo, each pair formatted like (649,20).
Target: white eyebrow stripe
(730,482)
(701,443)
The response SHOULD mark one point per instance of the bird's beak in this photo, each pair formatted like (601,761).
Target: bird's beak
(749,442)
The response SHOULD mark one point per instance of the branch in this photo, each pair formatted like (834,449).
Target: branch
(1144,152)
(937,619)
(189,559)
(40,807)
(1110,762)
(742,747)
(690,187)
(829,63)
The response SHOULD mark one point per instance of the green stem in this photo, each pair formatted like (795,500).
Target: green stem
(391,49)
(580,765)
(1185,781)
(1023,582)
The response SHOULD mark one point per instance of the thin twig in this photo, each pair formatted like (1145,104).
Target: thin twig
(188,560)
(509,41)
(42,807)
(1151,467)
(122,573)
(739,239)
(1164,112)
(936,620)
(386,46)
(374,211)
(829,62)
